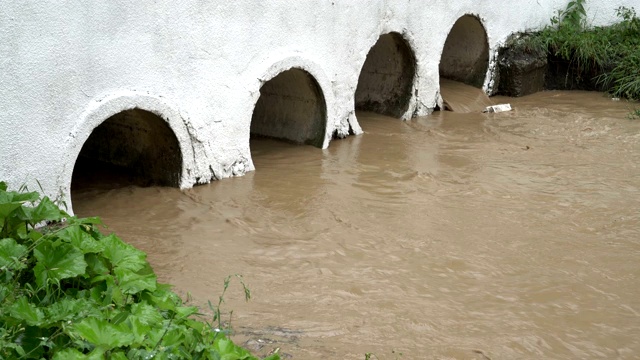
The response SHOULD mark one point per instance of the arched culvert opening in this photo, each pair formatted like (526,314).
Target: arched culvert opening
(465,56)
(133,147)
(291,107)
(387,76)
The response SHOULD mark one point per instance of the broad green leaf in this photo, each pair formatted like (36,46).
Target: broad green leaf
(186,311)
(139,330)
(230,351)
(116,295)
(155,334)
(143,353)
(7,208)
(46,210)
(96,266)
(13,227)
(196,325)
(25,197)
(69,354)
(118,355)
(73,354)
(10,253)
(162,298)
(79,238)
(97,294)
(85,221)
(3,186)
(103,334)
(122,255)
(25,311)
(31,340)
(97,354)
(35,235)
(67,309)
(5,289)
(133,283)
(147,314)
(173,337)
(56,262)
(120,317)
(5,346)
(12,196)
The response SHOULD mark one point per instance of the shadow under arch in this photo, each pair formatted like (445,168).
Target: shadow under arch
(386,80)
(132,147)
(465,56)
(145,125)
(291,107)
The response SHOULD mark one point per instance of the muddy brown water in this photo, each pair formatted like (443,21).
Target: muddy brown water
(454,236)
(462,98)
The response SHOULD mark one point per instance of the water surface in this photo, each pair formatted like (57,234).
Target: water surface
(454,236)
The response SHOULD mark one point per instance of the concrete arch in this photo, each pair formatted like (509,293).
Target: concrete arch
(465,55)
(387,77)
(287,89)
(110,107)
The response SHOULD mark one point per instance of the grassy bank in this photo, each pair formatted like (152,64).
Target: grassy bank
(607,57)
(69,292)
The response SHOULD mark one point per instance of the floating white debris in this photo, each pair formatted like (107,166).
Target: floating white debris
(497,108)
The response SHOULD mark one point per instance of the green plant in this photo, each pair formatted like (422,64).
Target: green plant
(372,356)
(69,292)
(573,16)
(609,55)
(569,38)
(624,77)
(634,114)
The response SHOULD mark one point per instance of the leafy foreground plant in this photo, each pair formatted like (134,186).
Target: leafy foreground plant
(69,292)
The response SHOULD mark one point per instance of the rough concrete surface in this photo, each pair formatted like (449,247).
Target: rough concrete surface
(201,67)
(521,70)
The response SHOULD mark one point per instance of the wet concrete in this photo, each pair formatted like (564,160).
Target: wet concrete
(455,236)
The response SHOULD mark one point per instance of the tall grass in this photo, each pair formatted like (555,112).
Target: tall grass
(609,55)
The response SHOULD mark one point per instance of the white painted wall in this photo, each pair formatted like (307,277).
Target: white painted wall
(66,66)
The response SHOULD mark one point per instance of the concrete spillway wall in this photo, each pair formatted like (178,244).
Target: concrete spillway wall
(175,89)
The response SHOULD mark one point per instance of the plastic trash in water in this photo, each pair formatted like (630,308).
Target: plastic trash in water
(497,108)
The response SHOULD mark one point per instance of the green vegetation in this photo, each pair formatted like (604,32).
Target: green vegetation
(69,292)
(610,55)
(372,356)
